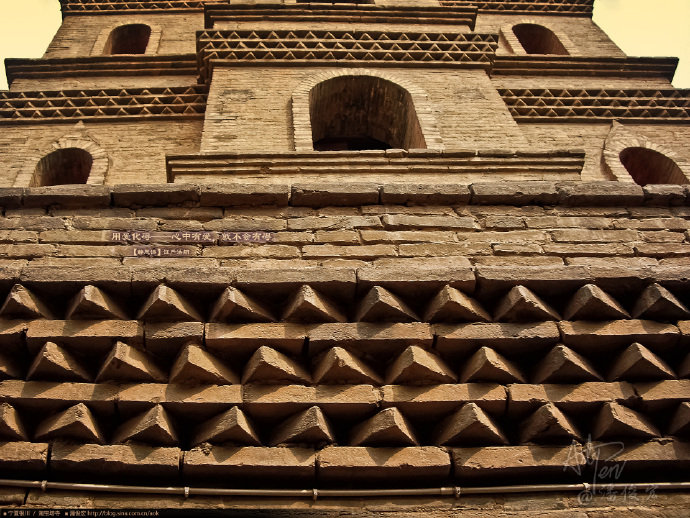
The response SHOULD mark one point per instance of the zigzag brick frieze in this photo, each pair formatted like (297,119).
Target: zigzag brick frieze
(597,104)
(110,6)
(561,7)
(511,6)
(409,48)
(106,104)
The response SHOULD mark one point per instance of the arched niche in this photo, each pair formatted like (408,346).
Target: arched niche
(537,39)
(648,166)
(63,166)
(128,39)
(362,109)
(630,156)
(363,112)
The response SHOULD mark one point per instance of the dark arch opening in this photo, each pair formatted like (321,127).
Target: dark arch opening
(648,166)
(363,112)
(537,39)
(61,167)
(128,39)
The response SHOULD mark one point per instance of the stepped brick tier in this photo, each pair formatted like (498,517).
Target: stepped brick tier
(420,258)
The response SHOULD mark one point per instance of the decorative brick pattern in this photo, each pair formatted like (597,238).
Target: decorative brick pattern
(346,47)
(104,104)
(561,7)
(568,105)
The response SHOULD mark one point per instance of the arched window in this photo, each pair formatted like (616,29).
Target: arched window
(649,166)
(63,166)
(363,112)
(537,39)
(128,39)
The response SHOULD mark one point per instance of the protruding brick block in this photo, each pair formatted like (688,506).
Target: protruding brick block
(656,195)
(346,194)
(378,339)
(137,195)
(415,194)
(253,464)
(514,193)
(595,194)
(84,335)
(21,457)
(593,337)
(132,460)
(525,462)
(339,401)
(505,338)
(241,340)
(439,400)
(234,195)
(165,339)
(68,196)
(652,456)
(383,465)
(574,399)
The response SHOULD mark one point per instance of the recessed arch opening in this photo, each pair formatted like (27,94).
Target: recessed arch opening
(61,167)
(128,39)
(647,166)
(363,112)
(537,39)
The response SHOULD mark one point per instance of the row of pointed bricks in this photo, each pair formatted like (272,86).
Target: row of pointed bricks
(414,366)
(378,305)
(467,426)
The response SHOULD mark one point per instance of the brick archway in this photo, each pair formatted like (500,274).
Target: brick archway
(154,39)
(99,166)
(303,138)
(621,138)
(516,47)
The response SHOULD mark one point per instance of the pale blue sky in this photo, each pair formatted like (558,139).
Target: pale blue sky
(639,27)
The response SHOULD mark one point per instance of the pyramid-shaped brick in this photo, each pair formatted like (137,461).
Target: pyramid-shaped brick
(153,426)
(165,304)
(417,366)
(468,426)
(680,423)
(486,365)
(657,303)
(452,305)
(380,305)
(77,422)
(387,428)
(232,426)
(93,303)
(127,364)
(615,421)
(22,303)
(592,303)
(53,363)
(9,369)
(268,365)
(235,306)
(11,427)
(340,367)
(195,366)
(548,424)
(307,427)
(563,365)
(521,305)
(307,305)
(637,363)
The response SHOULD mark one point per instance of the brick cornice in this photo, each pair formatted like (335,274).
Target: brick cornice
(140,65)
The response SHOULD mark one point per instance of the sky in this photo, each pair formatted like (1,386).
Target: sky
(639,27)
